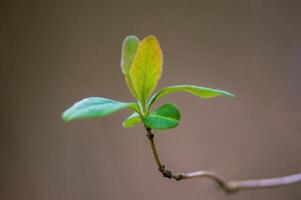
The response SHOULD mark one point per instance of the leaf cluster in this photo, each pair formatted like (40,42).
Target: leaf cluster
(141,64)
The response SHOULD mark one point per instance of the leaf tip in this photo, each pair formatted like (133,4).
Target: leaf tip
(125,125)
(230,95)
(66,117)
(130,41)
(151,37)
(131,37)
(153,40)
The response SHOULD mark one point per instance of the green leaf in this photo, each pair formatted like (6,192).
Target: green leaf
(129,49)
(164,117)
(146,69)
(94,107)
(202,92)
(132,120)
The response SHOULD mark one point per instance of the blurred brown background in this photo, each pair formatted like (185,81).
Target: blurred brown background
(54,53)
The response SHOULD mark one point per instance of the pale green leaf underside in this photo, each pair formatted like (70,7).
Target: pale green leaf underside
(132,120)
(202,92)
(146,69)
(95,107)
(164,117)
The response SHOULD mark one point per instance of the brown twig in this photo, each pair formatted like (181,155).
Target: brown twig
(227,186)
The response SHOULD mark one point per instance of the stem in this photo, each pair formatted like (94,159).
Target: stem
(227,186)
(166,173)
(150,137)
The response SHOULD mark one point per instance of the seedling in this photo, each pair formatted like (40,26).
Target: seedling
(141,64)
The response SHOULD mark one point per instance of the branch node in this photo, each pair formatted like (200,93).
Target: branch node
(150,135)
(166,173)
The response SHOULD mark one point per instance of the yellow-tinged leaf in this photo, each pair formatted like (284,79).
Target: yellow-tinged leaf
(146,69)
(130,84)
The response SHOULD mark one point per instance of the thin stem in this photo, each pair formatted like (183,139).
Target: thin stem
(166,173)
(227,186)
(150,137)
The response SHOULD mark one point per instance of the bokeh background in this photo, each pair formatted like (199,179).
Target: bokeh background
(54,53)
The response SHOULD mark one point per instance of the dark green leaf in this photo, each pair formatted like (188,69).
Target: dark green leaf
(164,117)
(94,107)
